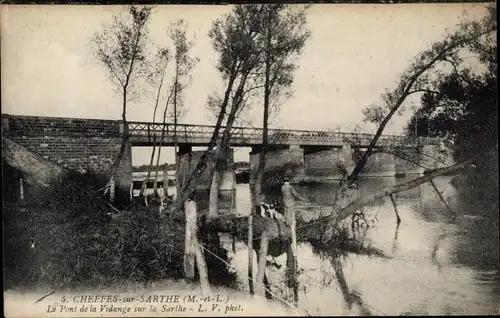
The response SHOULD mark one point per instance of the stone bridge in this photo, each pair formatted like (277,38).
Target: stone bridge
(94,143)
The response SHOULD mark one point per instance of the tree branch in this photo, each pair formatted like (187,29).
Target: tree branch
(407,85)
(360,202)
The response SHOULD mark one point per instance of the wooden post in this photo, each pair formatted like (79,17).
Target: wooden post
(214,195)
(398,219)
(250,254)
(21,189)
(201,263)
(112,191)
(131,191)
(294,255)
(250,242)
(268,287)
(264,247)
(189,241)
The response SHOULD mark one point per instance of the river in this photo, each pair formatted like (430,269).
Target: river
(432,266)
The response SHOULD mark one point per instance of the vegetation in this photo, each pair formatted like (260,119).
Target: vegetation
(72,226)
(461,106)
(147,167)
(121,49)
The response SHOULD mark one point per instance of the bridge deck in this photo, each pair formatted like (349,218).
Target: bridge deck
(144,134)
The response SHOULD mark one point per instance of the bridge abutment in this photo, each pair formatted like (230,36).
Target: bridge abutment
(76,144)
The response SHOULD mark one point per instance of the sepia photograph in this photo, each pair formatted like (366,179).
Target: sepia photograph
(278,159)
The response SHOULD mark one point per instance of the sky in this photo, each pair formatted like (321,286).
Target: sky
(355,52)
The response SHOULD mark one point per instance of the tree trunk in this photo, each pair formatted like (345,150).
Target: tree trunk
(222,151)
(293,262)
(250,241)
(176,160)
(150,168)
(265,119)
(341,212)
(162,135)
(124,134)
(148,175)
(398,219)
(189,185)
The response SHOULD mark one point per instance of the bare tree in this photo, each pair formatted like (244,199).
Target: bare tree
(283,37)
(183,65)
(233,37)
(121,49)
(237,36)
(156,79)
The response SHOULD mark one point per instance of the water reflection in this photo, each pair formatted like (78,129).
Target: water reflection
(434,266)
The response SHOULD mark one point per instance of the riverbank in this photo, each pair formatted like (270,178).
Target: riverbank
(164,298)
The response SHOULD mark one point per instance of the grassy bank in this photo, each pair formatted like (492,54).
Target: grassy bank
(78,244)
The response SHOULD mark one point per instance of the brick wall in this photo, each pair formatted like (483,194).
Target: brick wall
(78,144)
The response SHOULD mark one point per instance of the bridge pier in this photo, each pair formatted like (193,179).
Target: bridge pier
(403,167)
(408,161)
(323,163)
(379,165)
(423,158)
(279,160)
(187,163)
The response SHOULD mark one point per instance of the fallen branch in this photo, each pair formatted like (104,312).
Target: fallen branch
(357,204)
(398,219)
(360,202)
(442,198)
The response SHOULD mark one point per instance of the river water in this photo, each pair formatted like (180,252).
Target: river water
(432,266)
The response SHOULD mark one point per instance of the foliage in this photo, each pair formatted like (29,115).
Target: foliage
(145,167)
(461,106)
(283,39)
(121,47)
(424,71)
(183,64)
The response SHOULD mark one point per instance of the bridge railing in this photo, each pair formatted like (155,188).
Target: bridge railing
(276,136)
